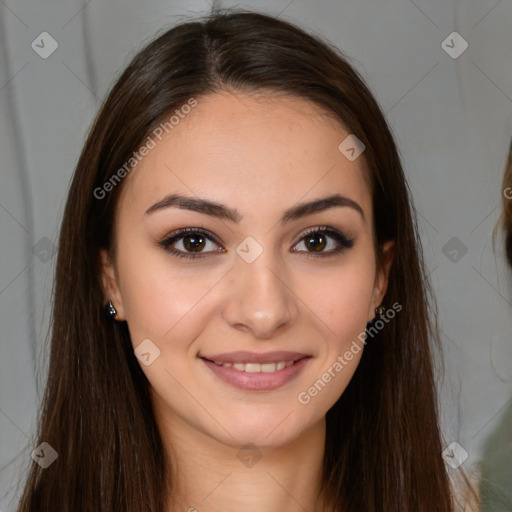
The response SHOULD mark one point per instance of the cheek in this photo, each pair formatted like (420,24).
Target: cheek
(158,298)
(341,303)
(341,314)
(341,299)
(351,304)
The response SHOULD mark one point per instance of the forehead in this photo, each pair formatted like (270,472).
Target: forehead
(252,149)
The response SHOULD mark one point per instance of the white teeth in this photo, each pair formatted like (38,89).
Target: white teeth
(252,367)
(257,367)
(269,367)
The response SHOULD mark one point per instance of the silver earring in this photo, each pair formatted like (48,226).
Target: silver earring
(110,310)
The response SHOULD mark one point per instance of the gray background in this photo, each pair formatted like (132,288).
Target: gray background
(452,118)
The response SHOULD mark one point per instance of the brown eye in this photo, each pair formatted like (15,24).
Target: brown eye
(316,242)
(318,239)
(193,242)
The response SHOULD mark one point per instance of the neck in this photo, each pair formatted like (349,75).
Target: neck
(208,476)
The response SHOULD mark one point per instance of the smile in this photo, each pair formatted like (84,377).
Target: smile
(256,367)
(257,372)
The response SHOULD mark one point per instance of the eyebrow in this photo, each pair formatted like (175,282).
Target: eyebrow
(232,214)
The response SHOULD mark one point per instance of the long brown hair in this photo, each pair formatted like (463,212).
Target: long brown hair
(383,447)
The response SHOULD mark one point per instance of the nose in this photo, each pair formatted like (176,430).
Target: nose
(259,298)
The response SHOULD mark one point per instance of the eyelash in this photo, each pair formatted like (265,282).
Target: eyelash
(343,241)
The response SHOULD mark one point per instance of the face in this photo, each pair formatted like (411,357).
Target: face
(268,287)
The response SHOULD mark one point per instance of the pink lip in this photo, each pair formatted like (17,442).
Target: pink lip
(254,357)
(259,381)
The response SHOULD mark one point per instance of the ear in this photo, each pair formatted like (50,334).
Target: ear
(109,284)
(382,276)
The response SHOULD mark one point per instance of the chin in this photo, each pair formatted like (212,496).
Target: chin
(270,431)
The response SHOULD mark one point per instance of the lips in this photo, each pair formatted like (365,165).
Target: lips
(256,372)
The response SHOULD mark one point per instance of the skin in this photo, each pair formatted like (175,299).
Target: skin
(260,154)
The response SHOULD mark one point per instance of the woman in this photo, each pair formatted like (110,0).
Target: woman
(241,210)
